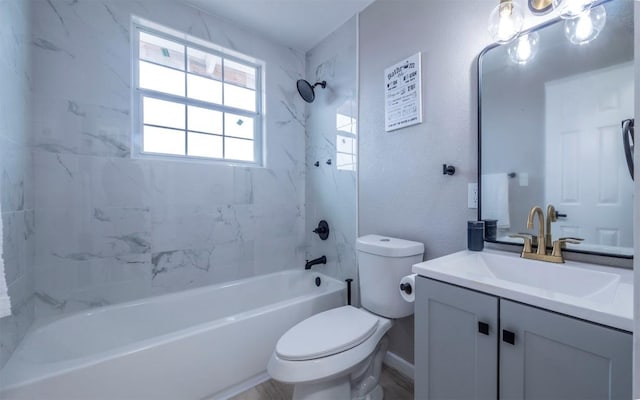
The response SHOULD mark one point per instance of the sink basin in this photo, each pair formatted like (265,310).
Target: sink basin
(593,292)
(570,280)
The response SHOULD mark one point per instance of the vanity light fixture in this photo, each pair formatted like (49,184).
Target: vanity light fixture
(586,27)
(569,9)
(540,7)
(505,21)
(523,49)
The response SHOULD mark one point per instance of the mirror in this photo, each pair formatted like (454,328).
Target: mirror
(551,130)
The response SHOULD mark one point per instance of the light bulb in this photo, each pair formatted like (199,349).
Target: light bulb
(524,48)
(587,27)
(569,9)
(584,28)
(505,21)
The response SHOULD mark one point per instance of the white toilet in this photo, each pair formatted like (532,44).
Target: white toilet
(337,354)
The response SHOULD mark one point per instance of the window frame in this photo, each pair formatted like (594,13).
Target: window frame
(138,94)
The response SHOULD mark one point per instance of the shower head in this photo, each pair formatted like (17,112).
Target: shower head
(306,89)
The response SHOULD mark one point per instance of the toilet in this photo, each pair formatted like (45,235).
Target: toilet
(337,354)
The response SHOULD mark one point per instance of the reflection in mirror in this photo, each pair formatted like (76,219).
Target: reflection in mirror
(550,133)
(346,141)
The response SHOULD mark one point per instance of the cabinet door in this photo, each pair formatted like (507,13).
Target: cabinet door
(558,357)
(456,357)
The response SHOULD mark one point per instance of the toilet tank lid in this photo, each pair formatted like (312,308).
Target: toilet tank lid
(388,246)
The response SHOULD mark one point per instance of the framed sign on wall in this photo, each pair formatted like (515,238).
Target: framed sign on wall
(403,94)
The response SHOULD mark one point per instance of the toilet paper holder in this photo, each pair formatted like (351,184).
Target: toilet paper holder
(406,287)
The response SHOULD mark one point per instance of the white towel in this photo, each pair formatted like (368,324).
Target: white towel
(495,198)
(5,303)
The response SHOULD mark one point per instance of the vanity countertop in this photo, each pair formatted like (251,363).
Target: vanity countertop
(595,293)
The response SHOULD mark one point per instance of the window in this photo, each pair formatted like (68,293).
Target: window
(195,100)
(346,140)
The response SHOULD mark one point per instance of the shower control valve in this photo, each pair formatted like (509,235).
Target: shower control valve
(322,230)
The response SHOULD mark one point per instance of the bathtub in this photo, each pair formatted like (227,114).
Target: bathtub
(197,344)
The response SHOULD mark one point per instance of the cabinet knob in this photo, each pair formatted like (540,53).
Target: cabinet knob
(508,337)
(483,328)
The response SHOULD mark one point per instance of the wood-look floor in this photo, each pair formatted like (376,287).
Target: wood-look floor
(395,385)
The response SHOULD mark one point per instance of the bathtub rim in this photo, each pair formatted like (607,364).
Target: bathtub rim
(49,370)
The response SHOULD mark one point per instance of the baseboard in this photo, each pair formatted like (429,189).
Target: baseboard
(241,387)
(398,363)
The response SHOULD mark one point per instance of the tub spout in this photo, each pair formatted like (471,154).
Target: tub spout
(320,260)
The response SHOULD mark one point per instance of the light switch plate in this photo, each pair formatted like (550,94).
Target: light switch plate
(472,195)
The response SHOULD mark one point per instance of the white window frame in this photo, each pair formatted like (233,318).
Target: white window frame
(140,25)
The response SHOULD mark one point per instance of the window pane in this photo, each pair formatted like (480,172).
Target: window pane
(161,51)
(203,145)
(161,79)
(204,120)
(240,74)
(160,140)
(238,149)
(238,97)
(204,89)
(163,113)
(345,144)
(345,162)
(204,64)
(238,126)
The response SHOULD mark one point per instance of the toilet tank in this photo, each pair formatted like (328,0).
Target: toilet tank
(382,262)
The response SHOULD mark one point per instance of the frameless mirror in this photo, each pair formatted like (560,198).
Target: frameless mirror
(551,117)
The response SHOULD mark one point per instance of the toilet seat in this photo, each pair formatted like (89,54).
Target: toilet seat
(326,334)
(313,370)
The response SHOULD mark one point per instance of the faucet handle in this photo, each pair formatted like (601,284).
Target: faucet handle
(558,245)
(528,239)
(534,238)
(526,235)
(572,240)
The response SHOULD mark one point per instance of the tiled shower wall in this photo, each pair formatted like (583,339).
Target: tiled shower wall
(16,179)
(332,135)
(111,228)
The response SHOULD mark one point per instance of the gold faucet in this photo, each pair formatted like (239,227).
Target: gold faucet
(542,249)
(544,238)
(552,216)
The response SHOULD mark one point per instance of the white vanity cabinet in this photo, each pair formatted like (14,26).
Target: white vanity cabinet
(473,345)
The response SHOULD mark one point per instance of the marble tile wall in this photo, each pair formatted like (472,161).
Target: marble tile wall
(112,228)
(332,135)
(16,174)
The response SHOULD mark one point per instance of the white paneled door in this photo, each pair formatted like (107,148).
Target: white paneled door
(586,176)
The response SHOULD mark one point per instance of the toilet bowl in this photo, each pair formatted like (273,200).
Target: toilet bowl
(314,358)
(337,354)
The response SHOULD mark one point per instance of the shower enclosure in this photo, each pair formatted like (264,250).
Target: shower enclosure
(88,226)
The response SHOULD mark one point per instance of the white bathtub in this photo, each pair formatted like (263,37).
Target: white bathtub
(190,345)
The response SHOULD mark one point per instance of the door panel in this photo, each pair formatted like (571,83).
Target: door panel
(457,360)
(559,357)
(586,176)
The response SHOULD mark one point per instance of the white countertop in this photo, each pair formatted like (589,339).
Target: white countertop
(595,293)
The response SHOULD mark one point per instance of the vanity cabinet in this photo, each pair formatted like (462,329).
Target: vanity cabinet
(558,357)
(474,345)
(456,343)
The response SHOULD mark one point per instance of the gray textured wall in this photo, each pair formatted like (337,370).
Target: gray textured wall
(402,191)
(518,125)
